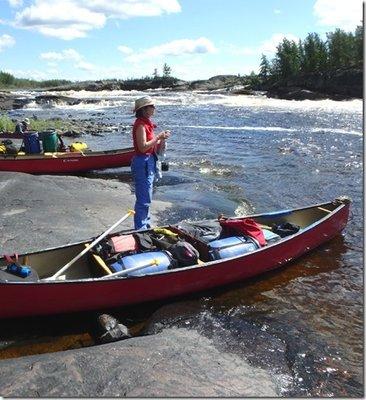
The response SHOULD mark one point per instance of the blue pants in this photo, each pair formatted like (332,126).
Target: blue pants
(143,169)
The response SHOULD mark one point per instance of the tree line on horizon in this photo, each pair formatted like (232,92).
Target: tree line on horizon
(340,50)
(10,81)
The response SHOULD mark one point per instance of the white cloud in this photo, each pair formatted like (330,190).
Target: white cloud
(133,8)
(53,72)
(196,68)
(6,41)
(68,54)
(267,47)
(85,66)
(52,56)
(52,64)
(125,50)
(339,13)
(70,19)
(62,19)
(72,55)
(15,3)
(175,48)
(277,11)
(29,74)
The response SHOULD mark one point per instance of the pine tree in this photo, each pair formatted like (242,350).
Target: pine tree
(166,70)
(314,54)
(264,67)
(287,59)
(340,48)
(301,55)
(358,46)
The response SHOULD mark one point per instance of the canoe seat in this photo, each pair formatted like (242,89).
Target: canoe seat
(98,261)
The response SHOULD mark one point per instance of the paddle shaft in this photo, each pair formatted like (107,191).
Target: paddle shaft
(90,246)
(127,271)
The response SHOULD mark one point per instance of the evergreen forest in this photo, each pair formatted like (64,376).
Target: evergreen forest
(340,50)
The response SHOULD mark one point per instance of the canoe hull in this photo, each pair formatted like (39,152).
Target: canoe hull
(45,297)
(66,162)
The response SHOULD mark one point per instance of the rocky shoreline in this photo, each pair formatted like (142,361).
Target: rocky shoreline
(342,85)
(170,358)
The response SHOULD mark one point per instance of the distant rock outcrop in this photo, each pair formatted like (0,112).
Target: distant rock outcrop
(227,83)
(49,99)
(338,85)
(9,101)
(219,82)
(114,84)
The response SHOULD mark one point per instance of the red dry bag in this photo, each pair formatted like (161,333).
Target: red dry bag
(245,226)
(122,243)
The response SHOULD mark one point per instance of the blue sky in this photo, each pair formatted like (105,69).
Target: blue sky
(100,39)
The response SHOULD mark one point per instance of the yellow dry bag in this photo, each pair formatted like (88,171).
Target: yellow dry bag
(78,146)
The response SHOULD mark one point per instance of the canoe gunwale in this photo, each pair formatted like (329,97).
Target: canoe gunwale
(63,155)
(24,299)
(64,163)
(206,264)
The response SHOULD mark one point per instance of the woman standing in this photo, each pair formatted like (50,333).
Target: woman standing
(143,165)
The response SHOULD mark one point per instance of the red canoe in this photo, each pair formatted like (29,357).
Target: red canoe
(87,286)
(67,162)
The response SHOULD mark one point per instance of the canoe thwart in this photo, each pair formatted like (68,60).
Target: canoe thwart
(324,209)
(100,263)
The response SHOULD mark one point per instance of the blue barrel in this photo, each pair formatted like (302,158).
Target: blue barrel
(231,247)
(32,144)
(150,263)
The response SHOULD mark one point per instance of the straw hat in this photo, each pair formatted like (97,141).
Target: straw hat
(143,102)
(26,120)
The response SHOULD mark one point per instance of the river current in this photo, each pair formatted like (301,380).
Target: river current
(249,154)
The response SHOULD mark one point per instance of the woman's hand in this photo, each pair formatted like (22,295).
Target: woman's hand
(163,135)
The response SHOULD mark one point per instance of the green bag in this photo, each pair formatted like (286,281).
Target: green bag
(50,141)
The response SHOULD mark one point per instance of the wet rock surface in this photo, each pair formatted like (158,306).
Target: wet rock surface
(51,99)
(175,362)
(9,101)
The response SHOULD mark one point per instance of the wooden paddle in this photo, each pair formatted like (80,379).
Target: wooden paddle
(90,246)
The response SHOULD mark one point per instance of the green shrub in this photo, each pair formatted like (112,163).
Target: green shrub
(45,125)
(6,124)
(6,78)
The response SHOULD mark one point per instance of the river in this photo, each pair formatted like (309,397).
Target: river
(245,154)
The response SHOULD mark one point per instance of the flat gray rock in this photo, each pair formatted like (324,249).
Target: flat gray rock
(38,212)
(173,363)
